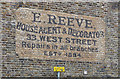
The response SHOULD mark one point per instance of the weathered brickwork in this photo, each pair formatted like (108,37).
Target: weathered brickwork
(0,43)
(13,66)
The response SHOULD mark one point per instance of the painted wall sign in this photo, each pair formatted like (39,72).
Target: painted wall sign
(50,35)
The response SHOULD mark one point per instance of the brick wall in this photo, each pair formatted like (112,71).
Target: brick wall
(13,66)
(0,43)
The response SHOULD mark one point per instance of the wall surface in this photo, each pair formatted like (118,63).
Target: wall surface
(14,66)
(0,44)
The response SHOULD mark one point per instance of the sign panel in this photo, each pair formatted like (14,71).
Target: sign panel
(50,35)
(59,69)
